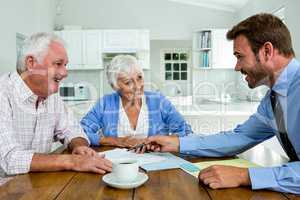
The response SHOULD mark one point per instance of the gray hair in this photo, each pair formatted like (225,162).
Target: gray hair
(37,46)
(119,64)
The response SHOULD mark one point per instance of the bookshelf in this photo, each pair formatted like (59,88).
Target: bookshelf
(202,49)
(211,50)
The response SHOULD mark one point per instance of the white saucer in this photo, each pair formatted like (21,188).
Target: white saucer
(110,180)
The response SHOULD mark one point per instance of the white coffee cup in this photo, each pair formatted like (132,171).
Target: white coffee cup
(125,170)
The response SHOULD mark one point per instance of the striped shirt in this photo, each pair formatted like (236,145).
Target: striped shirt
(25,129)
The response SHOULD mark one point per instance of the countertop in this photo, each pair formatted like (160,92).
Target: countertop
(205,108)
(232,108)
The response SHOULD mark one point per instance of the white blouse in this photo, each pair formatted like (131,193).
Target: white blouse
(124,126)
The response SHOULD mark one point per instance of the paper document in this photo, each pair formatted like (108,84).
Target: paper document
(171,162)
(142,159)
(238,162)
(148,161)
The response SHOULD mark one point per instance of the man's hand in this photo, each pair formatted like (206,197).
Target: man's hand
(84,150)
(162,143)
(97,164)
(78,142)
(220,176)
(83,163)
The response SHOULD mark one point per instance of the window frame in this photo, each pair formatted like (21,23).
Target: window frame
(163,62)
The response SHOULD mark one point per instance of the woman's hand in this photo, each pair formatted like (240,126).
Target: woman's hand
(123,142)
(130,141)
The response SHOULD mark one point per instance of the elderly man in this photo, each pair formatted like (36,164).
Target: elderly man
(33,115)
(263,48)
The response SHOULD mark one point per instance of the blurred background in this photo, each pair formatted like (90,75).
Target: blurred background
(180,44)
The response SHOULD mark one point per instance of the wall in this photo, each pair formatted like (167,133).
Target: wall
(166,20)
(24,17)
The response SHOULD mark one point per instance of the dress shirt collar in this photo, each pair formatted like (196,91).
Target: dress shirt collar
(23,90)
(282,83)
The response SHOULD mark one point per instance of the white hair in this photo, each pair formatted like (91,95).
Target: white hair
(37,46)
(119,64)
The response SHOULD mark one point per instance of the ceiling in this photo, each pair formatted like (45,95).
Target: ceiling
(226,5)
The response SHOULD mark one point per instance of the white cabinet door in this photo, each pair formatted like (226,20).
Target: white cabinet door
(74,44)
(120,40)
(144,49)
(222,50)
(144,59)
(144,40)
(92,49)
(84,48)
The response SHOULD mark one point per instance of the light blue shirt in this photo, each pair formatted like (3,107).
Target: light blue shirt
(258,128)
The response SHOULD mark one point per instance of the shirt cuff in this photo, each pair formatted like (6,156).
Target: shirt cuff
(187,144)
(75,133)
(262,178)
(94,138)
(22,163)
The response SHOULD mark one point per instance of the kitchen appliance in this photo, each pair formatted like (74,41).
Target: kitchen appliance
(74,92)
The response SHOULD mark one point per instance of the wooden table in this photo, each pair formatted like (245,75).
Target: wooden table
(168,184)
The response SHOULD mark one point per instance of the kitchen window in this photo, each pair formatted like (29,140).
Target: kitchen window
(175,64)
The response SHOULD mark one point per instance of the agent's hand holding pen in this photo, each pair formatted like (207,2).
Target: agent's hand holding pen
(159,143)
(142,147)
(139,148)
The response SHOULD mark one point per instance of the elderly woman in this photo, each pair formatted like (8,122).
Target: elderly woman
(128,115)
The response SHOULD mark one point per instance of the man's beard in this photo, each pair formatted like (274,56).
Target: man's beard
(260,78)
(259,74)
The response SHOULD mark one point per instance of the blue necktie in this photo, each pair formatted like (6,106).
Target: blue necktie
(278,113)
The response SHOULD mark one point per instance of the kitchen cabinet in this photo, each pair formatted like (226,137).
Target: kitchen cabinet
(125,40)
(143,53)
(211,50)
(92,49)
(144,40)
(86,47)
(202,49)
(120,41)
(144,59)
(73,43)
(222,50)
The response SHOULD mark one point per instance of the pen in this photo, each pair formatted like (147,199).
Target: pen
(136,147)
